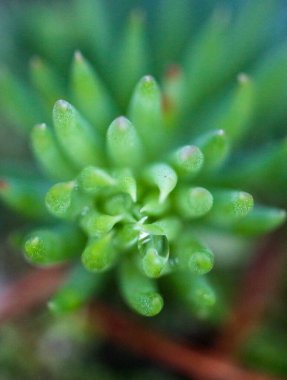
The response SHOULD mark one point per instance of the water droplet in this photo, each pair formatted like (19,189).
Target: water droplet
(155,252)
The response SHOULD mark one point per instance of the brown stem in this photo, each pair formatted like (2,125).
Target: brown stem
(258,288)
(190,362)
(25,294)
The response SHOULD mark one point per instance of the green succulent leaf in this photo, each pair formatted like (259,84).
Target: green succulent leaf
(145,169)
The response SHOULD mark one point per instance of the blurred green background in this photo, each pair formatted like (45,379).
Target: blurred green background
(42,346)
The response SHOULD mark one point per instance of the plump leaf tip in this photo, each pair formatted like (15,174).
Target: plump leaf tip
(136,169)
(136,206)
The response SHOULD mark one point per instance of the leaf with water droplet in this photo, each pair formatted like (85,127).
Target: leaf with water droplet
(155,252)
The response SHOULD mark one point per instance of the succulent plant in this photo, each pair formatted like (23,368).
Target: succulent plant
(139,172)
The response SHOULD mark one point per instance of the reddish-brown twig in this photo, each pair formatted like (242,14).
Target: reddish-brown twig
(32,290)
(188,361)
(255,293)
(24,295)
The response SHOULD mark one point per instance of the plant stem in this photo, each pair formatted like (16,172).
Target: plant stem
(259,286)
(26,294)
(33,290)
